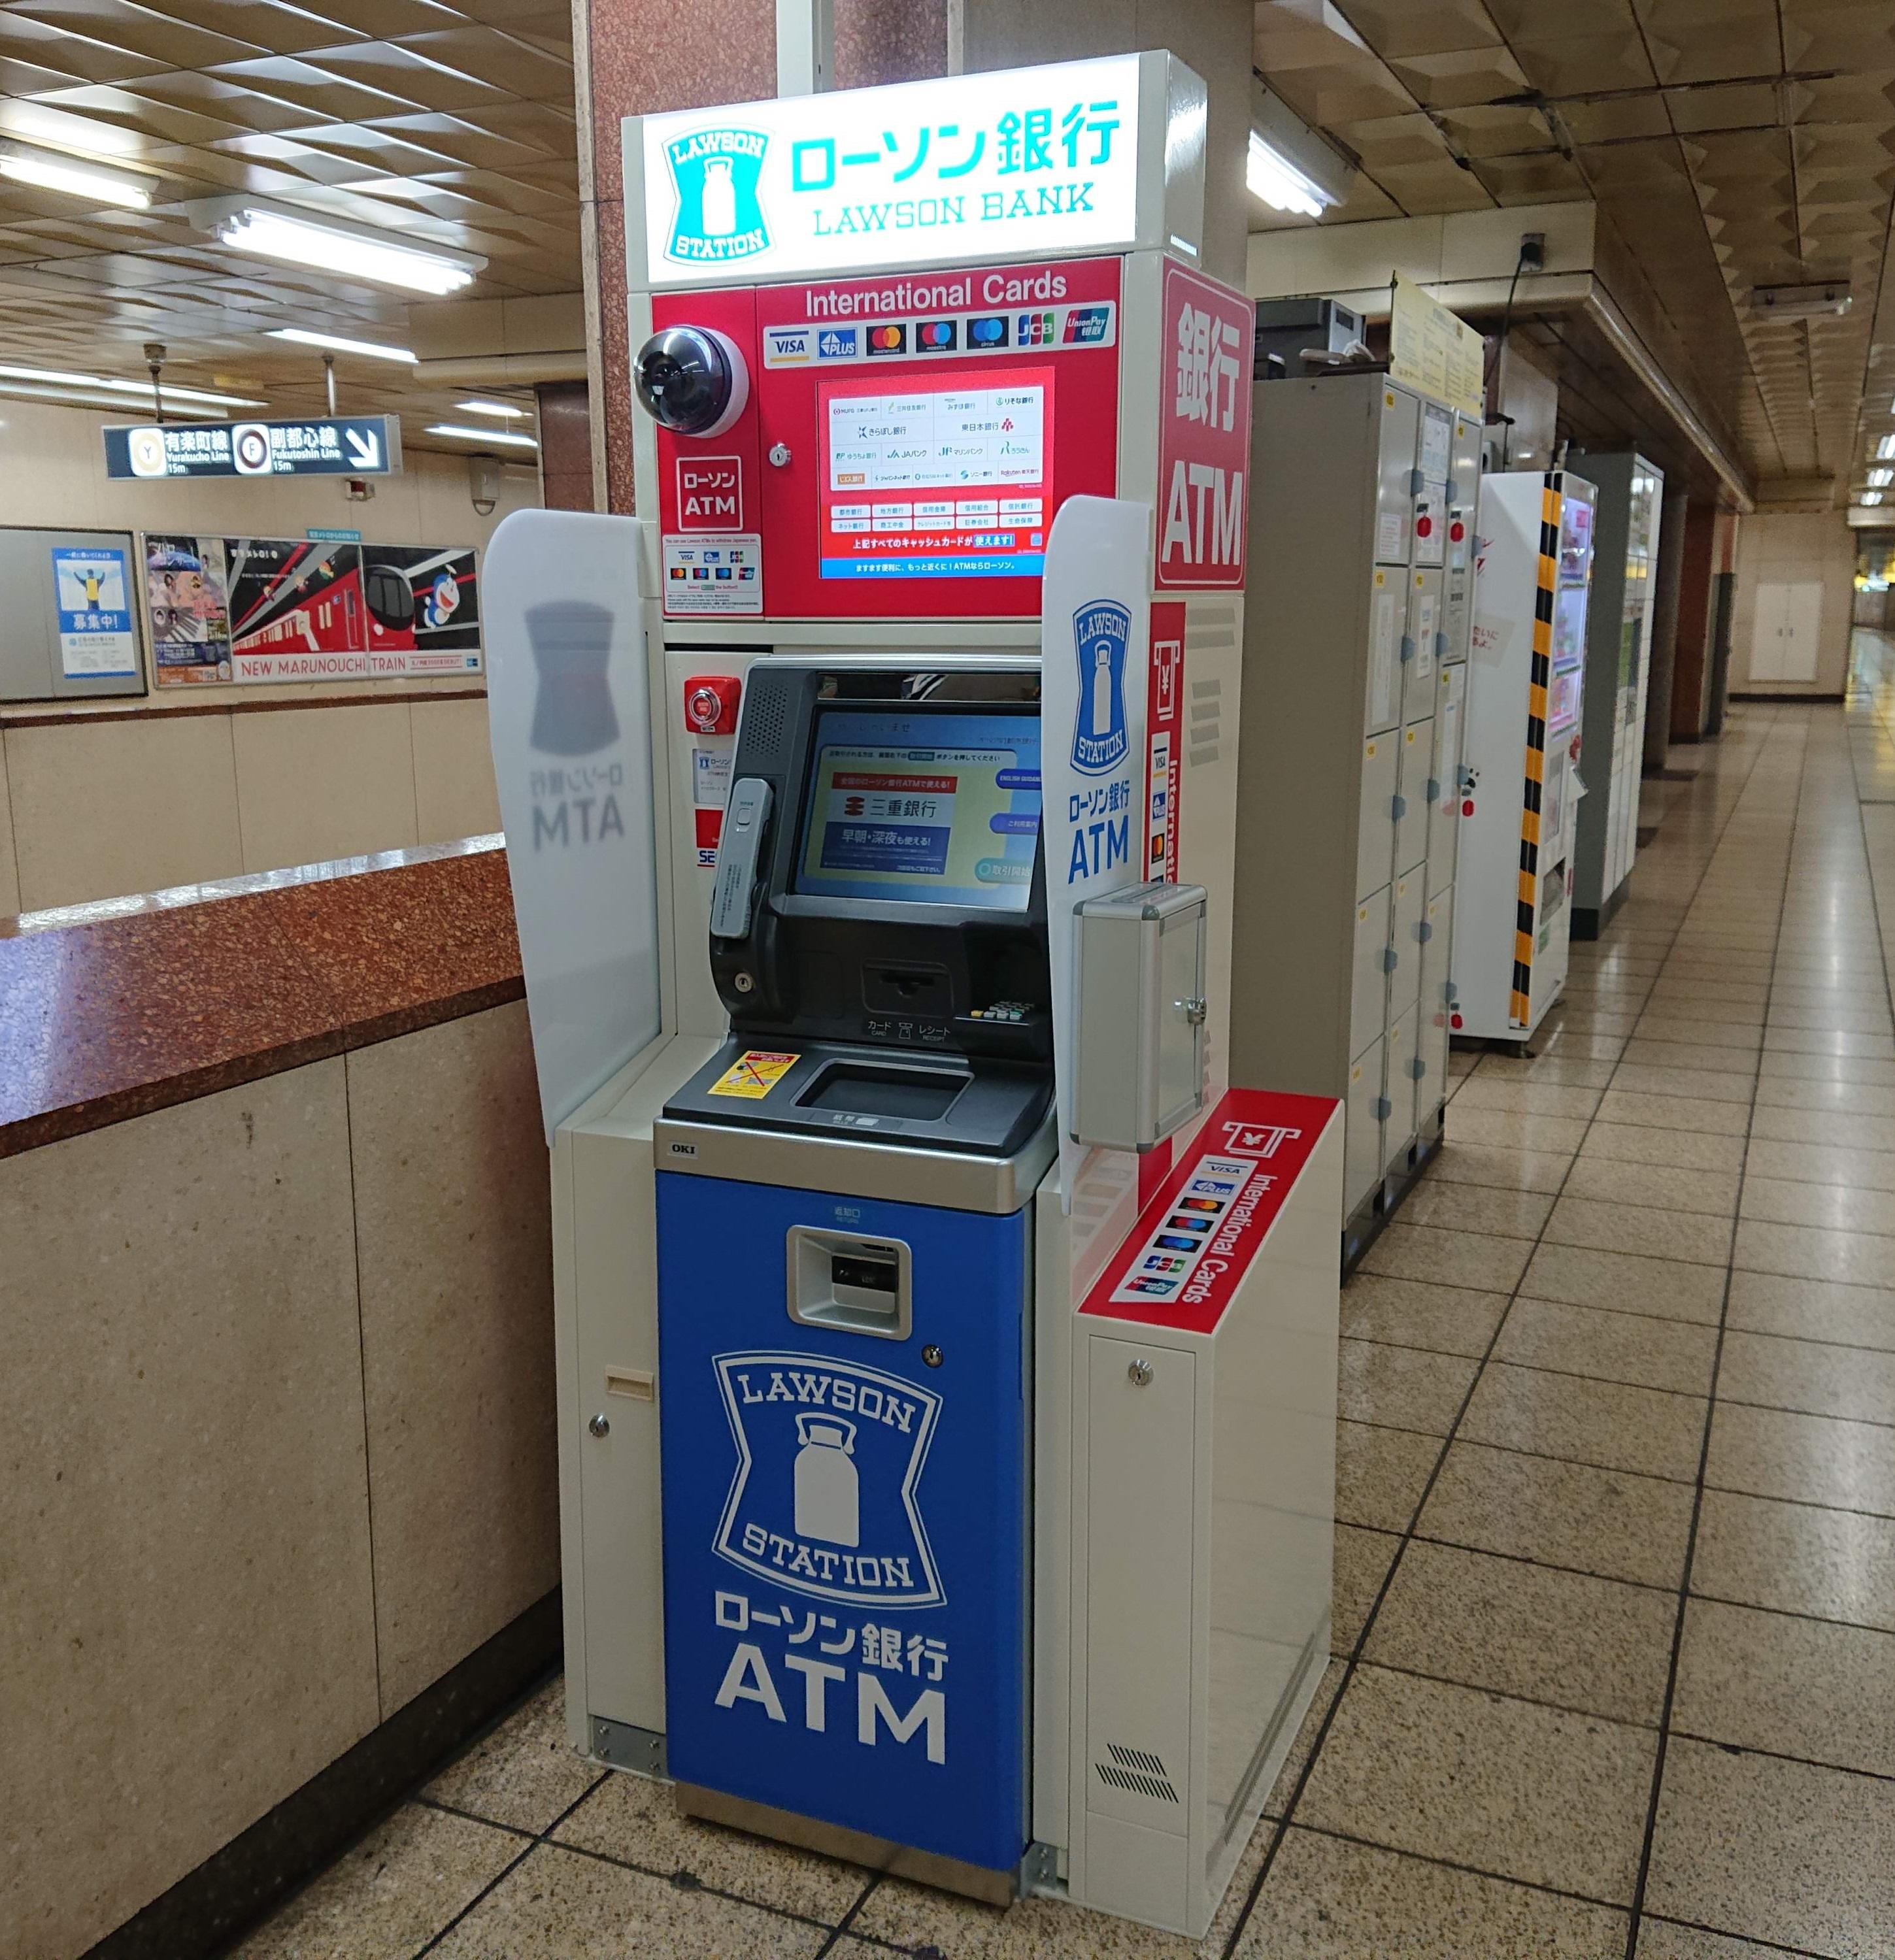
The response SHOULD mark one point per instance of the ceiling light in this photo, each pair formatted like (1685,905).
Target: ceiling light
(1870,497)
(502,409)
(59,379)
(74,177)
(1290,166)
(1882,478)
(86,398)
(506,436)
(1885,449)
(1809,302)
(303,337)
(326,248)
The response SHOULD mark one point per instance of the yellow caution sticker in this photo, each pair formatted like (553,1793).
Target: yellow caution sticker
(754,1073)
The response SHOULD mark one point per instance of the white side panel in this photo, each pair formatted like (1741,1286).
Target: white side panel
(1368,986)
(1375,836)
(1395,477)
(1387,626)
(1413,774)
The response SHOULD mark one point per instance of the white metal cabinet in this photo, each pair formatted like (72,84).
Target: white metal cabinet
(1411,793)
(1362,1119)
(1375,835)
(1369,986)
(1444,777)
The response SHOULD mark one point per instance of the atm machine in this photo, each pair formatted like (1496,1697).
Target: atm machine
(947,1355)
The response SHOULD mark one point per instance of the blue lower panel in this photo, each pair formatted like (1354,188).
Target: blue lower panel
(845,1526)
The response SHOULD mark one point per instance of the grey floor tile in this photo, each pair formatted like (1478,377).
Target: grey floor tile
(1854,1098)
(525,1773)
(635,1820)
(1780,1851)
(1643,1430)
(1826,1208)
(1594,1645)
(1643,1052)
(1663,1939)
(1821,1163)
(1642,1143)
(1505,1169)
(1403,1388)
(1816,1126)
(1667,1288)
(1509,1130)
(1530,1098)
(1859,1316)
(1861,1258)
(390,1894)
(1675,1112)
(1602,1181)
(1640,1230)
(1307,1730)
(1819,1041)
(1783,1064)
(1654,1027)
(1452,1259)
(1796,1558)
(1610,1346)
(1474,1208)
(1804,1459)
(1327,1899)
(1857,1020)
(1418,1313)
(1812,1377)
(1712,1085)
(1456,1773)
(1793,1686)
(1380,1474)
(1362,1560)
(1572,1071)
(1607,1523)
(561,1905)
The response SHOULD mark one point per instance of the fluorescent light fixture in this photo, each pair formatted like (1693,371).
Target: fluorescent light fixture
(1882,478)
(84,398)
(1885,449)
(74,177)
(506,436)
(58,379)
(1807,302)
(504,410)
(1870,497)
(1290,166)
(354,254)
(303,337)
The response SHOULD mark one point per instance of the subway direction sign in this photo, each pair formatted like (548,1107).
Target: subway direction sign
(325,446)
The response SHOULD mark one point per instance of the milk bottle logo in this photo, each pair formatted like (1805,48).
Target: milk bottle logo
(718,217)
(825,1498)
(828,1491)
(1101,632)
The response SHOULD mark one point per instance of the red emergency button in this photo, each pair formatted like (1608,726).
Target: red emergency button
(1424,527)
(710,703)
(1454,1020)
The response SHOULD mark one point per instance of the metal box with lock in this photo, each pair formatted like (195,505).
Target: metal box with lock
(1142,1015)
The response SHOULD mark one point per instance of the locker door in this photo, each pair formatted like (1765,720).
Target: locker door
(1395,477)
(1406,908)
(1443,776)
(1387,622)
(1411,793)
(1422,647)
(1368,984)
(1362,1129)
(1397,1105)
(1435,465)
(1431,1081)
(1375,838)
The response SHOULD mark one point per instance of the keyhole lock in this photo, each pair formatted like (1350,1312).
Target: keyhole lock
(780,455)
(600,1425)
(932,1355)
(1139,1374)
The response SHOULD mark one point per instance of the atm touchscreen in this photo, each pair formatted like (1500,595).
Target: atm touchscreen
(929,809)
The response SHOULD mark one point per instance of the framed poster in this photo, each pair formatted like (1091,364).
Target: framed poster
(296,610)
(186,595)
(423,609)
(97,634)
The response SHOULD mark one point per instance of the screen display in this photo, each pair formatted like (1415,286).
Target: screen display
(937,477)
(923,808)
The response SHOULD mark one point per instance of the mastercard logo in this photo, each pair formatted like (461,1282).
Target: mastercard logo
(887,339)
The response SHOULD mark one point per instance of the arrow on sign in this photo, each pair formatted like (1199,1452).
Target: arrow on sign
(364,448)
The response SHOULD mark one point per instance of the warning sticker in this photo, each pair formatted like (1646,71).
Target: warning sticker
(754,1073)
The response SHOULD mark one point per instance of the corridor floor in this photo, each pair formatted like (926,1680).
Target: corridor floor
(1615,1597)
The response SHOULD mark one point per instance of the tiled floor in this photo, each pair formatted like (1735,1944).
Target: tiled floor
(1616,1571)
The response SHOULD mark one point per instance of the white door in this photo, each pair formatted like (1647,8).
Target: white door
(1783,639)
(1362,1128)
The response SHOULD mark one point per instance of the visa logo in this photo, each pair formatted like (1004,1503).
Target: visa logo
(836,343)
(787,346)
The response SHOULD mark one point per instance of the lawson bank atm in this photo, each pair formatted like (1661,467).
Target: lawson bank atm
(946,1355)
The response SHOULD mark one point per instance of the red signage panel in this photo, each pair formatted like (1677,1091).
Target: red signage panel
(1204,433)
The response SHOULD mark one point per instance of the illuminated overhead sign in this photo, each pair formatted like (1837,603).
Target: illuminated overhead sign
(1019,162)
(328,445)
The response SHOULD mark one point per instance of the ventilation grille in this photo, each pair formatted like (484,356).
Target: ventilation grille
(1207,721)
(766,704)
(1138,1771)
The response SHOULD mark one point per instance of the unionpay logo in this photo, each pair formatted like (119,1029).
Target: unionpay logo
(1101,632)
(719,218)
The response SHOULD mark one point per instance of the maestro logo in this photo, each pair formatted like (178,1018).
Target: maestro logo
(719,218)
(1101,632)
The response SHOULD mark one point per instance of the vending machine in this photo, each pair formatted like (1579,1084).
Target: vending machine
(947,1353)
(1525,767)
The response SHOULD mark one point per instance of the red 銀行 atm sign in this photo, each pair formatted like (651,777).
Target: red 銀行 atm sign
(1204,433)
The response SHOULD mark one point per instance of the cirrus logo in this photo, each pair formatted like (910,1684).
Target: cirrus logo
(719,215)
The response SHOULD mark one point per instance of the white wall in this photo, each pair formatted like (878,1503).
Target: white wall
(1792,547)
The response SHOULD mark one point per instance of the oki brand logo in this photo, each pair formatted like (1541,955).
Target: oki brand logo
(1204,434)
(710,494)
(829,1456)
(719,218)
(1101,632)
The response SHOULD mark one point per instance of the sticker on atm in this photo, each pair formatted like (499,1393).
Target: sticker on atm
(754,1073)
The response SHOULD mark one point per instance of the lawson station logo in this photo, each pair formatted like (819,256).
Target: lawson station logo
(1101,632)
(719,218)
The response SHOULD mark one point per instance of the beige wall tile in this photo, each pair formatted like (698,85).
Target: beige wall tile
(454,793)
(9,864)
(185,1588)
(454,1239)
(318,783)
(100,809)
